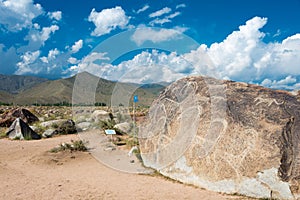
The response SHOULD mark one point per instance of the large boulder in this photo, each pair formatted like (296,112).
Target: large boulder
(225,136)
(21,130)
(9,117)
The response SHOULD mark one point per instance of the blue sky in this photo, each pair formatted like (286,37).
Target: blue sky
(255,41)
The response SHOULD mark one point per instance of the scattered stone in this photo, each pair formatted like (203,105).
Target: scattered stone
(9,117)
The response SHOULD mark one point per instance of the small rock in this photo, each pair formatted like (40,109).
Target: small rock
(49,133)
(124,127)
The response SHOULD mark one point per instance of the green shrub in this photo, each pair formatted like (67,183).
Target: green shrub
(2,133)
(77,145)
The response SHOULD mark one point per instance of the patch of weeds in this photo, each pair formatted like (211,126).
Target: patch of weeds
(39,128)
(2,133)
(55,125)
(17,138)
(131,142)
(77,145)
(27,137)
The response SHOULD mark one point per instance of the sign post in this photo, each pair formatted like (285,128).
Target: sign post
(110,132)
(135,100)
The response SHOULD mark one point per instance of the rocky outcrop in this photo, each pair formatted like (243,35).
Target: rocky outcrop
(225,136)
(9,117)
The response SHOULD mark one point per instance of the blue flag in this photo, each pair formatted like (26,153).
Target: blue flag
(135,99)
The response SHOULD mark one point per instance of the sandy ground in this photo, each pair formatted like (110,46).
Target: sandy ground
(29,171)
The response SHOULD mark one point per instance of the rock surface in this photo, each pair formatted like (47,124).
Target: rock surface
(20,130)
(8,118)
(125,127)
(225,136)
(49,133)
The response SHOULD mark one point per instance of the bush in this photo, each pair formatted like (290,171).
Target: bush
(77,145)
(2,133)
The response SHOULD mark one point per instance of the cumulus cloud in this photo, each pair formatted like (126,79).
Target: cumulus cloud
(51,55)
(160,12)
(16,15)
(143,34)
(108,20)
(27,59)
(241,56)
(143,9)
(73,60)
(77,46)
(288,83)
(37,38)
(56,15)
(244,56)
(146,67)
(90,63)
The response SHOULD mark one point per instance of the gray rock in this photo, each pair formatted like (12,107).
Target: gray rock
(52,123)
(124,127)
(49,133)
(84,125)
(100,115)
(225,136)
(21,130)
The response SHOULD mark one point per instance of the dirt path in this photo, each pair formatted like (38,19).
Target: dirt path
(28,171)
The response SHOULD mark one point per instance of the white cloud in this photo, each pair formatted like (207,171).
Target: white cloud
(146,67)
(18,14)
(73,60)
(166,19)
(51,55)
(149,67)
(241,56)
(143,9)
(244,56)
(143,34)
(288,83)
(90,64)
(161,12)
(44,34)
(36,26)
(108,20)
(27,59)
(180,6)
(38,38)
(77,46)
(56,15)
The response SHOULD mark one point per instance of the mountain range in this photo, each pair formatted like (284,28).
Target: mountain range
(29,90)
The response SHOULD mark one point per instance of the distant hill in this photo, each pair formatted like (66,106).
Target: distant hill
(61,90)
(5,97)
(14,83)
